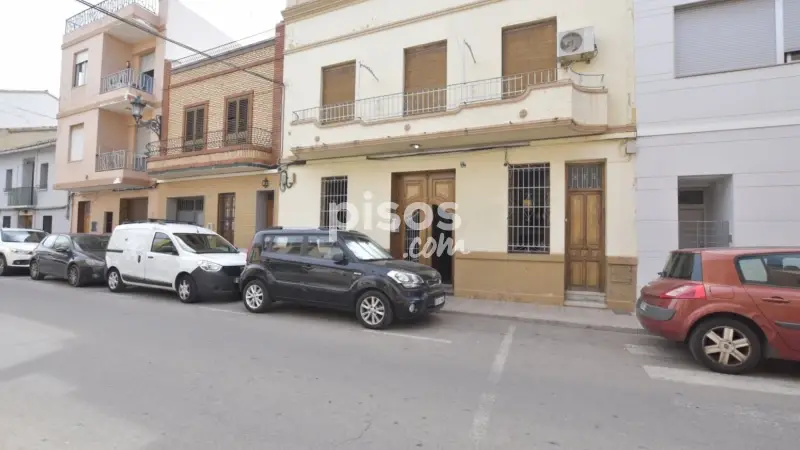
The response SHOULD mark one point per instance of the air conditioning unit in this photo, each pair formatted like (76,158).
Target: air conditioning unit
(576,45)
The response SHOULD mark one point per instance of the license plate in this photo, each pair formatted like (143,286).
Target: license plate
(438,301)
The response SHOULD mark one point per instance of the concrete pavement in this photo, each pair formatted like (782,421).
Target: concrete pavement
(87,369)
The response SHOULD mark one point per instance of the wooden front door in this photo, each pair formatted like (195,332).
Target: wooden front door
(84,217)
(25,221)
(585,227)
(412,191)
(226,216)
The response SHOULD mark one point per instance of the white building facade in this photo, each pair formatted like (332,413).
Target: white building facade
(512,123)
(718,118)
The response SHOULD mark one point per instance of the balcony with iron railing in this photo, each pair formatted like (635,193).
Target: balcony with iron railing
(120,160)
(704,233)
(24,196)
(217,151)
(92,16)
(550,103)
(127,78)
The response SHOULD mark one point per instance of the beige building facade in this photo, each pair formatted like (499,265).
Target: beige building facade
(504,131)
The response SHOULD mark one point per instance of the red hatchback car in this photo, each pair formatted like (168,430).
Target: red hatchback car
(734,307)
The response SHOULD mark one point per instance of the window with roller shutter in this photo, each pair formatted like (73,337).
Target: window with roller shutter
(529,56)
(425,80)
(338,92)
(237,120)
(194,131)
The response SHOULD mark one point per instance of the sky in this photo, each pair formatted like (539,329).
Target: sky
(33,30)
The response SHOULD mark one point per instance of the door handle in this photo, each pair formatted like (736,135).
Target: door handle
(306,266)
(779,300)
(149,257)
(139,258)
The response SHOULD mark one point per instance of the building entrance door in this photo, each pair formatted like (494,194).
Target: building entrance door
(25,221)
(426,204)
(585,256)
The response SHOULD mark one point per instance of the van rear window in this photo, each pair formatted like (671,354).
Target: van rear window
(684,266)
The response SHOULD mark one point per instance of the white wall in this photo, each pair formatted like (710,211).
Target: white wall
(49,201)
(186,26)
(382,50)
(27,109)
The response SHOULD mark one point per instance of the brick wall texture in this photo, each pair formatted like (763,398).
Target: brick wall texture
(212,82)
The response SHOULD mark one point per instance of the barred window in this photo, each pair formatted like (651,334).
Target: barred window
(529,208)
(333,204)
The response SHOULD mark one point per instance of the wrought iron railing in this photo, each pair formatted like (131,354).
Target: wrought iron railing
(703,233)
(120,159)
(126,78)
(90,15)
(22,196)
(443,99)
(254,137)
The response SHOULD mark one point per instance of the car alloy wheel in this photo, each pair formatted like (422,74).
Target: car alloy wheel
(372,311)
(727,346)
(34,269)
(74,276)
(254,296)
(184,290)
(113,280)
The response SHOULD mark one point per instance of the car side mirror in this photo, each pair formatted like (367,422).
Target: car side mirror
(62,249)
(338,258)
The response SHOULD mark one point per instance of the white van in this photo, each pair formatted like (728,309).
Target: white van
(182,258)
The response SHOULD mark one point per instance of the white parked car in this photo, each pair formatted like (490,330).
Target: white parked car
(16,247)
(187,259)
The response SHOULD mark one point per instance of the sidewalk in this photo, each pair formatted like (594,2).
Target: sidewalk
(598,319)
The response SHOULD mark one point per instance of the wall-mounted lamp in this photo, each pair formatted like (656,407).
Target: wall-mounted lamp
(364,66)
(285,182)
(265,183)
(137,110)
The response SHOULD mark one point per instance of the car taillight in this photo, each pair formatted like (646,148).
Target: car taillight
(687,292)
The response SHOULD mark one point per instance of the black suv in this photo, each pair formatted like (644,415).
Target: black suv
(346,270)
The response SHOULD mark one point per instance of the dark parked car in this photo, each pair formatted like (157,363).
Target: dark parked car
(78,258)
(348,271)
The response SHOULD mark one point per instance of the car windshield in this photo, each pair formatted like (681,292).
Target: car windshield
(23,236)
(205,243)
(366,249)
(91,243)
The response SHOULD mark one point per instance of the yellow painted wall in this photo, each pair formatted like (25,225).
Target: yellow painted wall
(481,192)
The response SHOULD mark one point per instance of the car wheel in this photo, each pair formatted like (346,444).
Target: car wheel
(3,267)
(726,345)
(74,276)
(255,296)
(187,289)
(34,271)
(114,281)
(374,311)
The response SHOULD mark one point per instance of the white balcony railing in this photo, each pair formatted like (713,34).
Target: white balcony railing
(90,15)
(126,78)
(120,159)
(448,98)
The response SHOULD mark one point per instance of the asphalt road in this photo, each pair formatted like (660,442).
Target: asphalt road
(89,370)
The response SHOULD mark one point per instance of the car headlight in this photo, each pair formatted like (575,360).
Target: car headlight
(209,266)
(95,263)
(406,279)
(21,252)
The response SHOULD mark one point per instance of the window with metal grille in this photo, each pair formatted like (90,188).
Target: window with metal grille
(585,177)
(226,215)
(333,204)
(529,208)
(237,120)
(194,128)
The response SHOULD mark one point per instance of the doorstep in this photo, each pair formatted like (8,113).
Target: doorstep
(593,318)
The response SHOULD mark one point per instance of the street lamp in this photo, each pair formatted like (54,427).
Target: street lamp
(137,110)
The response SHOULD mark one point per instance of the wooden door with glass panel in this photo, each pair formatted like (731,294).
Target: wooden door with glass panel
(585,228)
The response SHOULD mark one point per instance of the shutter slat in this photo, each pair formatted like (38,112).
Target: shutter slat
(230,124)
(425,79)
(200,123)
(725,36)
(338,88)
(189,126)
(529,48)
(244,113)
(791,25)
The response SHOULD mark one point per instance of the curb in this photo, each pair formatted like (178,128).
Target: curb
(556,322)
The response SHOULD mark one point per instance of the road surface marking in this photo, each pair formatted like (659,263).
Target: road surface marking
(209,308)
(707,378)
(410,336)
(649,350)
(480,421)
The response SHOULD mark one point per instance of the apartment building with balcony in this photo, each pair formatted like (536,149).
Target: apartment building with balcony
(100,151)
(27,157)
(718,125)
(504,127)
(214,166)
